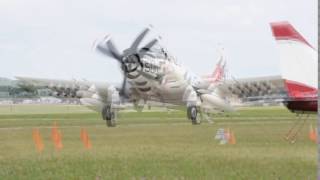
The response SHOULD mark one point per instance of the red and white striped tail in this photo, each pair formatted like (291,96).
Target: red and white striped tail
(299,63)
(218,74)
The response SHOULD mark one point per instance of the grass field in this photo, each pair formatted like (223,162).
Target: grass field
(153,145)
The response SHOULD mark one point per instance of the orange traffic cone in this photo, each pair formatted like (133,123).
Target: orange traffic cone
(232,139)
(312,134)
(88,143)
(56,137)
(85,138)
(37,140)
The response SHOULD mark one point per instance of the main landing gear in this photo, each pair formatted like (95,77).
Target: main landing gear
(108,114)
(192,114)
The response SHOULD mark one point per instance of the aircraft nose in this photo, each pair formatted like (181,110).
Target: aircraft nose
(131,63)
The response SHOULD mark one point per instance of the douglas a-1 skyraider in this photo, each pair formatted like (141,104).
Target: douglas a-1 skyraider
(152,74)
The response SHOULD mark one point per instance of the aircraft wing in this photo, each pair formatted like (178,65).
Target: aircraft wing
(92,94)
(49,83)
(267,89)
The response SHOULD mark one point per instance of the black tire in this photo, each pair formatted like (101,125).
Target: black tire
(192,114)
(109,115)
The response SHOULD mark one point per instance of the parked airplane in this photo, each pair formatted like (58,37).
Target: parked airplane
(296,88)
(297,85)
(151,74)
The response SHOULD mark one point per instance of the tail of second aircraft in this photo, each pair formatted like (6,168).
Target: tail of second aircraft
(298,64)
(219,73)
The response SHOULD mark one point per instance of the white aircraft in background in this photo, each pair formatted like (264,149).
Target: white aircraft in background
(299,68)
(152,74)
(297,85)
(296,88)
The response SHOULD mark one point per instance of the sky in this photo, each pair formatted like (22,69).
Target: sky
(54,39)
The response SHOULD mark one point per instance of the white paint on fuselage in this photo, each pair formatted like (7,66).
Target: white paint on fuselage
(172,86)
(299,62)
(176,86)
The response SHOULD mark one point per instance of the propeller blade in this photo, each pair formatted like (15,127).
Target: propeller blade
(140,37)
(104,51)
(107,47)
(148,46)
(151,43)
(114,50)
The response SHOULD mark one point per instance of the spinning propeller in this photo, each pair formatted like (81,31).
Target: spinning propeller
(129,59)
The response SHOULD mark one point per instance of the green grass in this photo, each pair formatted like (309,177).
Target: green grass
(154,145)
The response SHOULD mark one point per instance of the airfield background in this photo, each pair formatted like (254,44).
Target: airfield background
(13,93)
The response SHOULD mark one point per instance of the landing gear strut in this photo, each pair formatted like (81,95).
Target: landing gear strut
(192,113)
(108,114)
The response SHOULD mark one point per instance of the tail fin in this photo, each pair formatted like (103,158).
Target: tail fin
(298,58)
(218,74)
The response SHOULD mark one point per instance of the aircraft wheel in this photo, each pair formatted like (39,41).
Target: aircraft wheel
(109,115)
(192,114)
